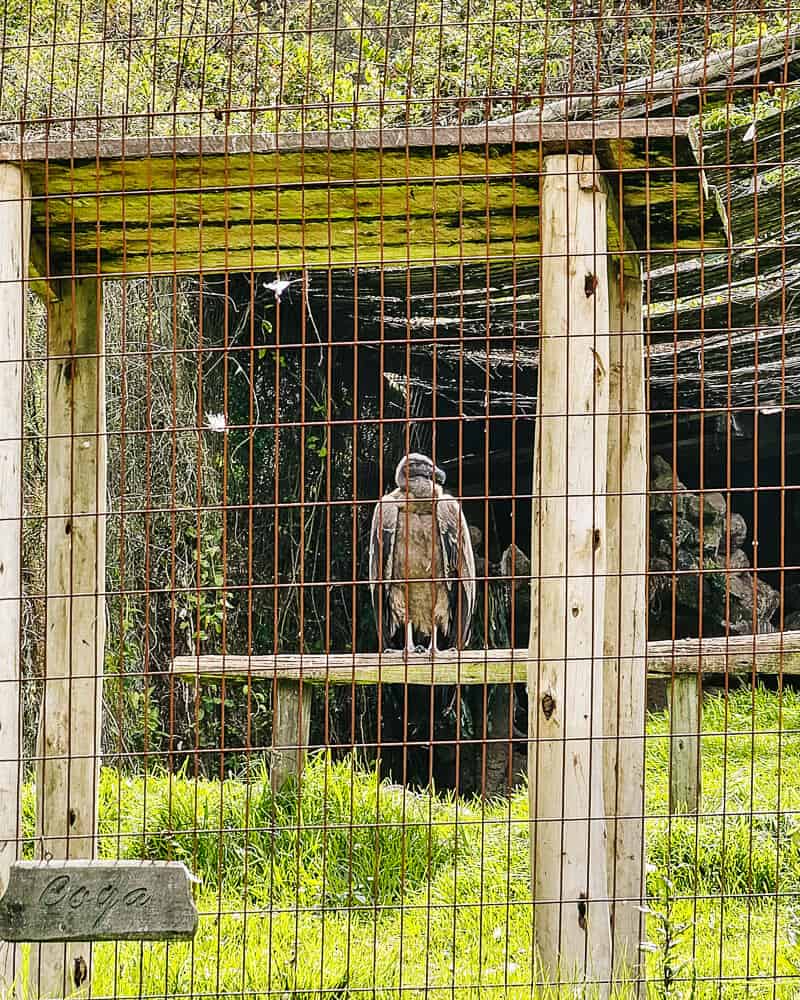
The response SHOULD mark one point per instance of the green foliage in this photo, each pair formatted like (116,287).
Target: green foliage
(351,839)
(202,611)
(747,104)
(735,854)
(169,67)
(747,839)
(131,716)
(668,940)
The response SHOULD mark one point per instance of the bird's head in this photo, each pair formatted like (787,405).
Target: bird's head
(416,466)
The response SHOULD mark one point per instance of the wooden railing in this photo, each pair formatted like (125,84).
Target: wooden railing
(684,661)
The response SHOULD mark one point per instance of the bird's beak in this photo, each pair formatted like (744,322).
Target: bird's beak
(439,475)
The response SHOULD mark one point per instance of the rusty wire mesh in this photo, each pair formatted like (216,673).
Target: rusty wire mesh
(272,252)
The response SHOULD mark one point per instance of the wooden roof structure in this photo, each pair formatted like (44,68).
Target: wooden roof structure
(375,198)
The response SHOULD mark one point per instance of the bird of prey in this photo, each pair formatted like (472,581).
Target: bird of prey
(422,568)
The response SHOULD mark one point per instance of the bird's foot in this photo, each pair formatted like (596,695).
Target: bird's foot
(421,649)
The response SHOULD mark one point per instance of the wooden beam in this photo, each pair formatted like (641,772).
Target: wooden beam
(166,205)
(769,654)
(69,732)
(291,729)
(568,545)
(494,666)
(625,677)
(15,215)
(685,710)
(132,148)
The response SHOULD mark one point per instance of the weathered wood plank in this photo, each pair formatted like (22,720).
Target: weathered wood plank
(266,172)
(568,551)
(769,654)
(774,140)
(229,146)
(619,237)
(14,237)
(217,241)
(375,222)
(495,666)
(194,195)
(98,901)
(643,95)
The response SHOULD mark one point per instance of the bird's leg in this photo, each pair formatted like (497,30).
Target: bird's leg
(412,648)
(432,647)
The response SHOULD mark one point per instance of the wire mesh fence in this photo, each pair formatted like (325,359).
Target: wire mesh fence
(397,438)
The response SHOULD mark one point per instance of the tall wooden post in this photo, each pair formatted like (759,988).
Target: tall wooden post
(625,680)
(70,724)
(565,675)
(15,220)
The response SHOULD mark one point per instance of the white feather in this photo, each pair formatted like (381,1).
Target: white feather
(216,422)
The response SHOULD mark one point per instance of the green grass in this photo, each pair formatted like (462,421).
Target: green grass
(357,888)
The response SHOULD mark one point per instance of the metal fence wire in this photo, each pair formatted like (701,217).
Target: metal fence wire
(399,499)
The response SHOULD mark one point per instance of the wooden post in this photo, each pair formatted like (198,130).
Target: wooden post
(565,689)
(685,708)
(625,676)
(70,724)
(291,731)
(15,220)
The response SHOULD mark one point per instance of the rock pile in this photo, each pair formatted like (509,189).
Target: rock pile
(688,530)
(733,600)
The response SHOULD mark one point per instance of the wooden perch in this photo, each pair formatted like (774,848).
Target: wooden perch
(769,654)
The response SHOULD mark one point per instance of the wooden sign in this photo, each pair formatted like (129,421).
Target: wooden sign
(97,901)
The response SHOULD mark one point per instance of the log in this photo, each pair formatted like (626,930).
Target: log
(685,708)
(491,666)
(15,211)
(565,686)
(770,654)
(643,95)
(291,729)
(625,676)
(69,727)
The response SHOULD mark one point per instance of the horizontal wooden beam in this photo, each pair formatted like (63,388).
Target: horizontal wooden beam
(139,147)
(402,197)
(772,653)
(493,666)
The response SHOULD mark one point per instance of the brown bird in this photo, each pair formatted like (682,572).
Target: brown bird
(422,568)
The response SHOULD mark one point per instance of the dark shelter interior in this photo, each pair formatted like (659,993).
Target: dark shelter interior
(352,368)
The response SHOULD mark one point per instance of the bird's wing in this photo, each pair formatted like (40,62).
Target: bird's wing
(458,565)
(381,560)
